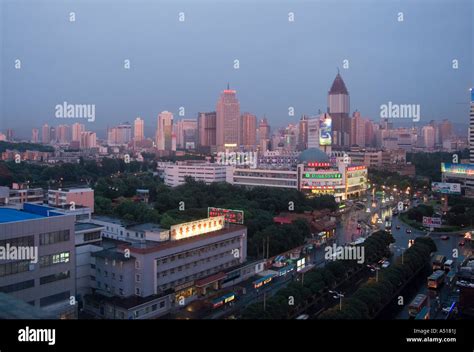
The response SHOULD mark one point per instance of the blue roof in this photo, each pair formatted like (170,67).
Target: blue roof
(29,212)
(10,215)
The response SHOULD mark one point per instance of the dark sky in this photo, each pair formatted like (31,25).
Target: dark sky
(188,63)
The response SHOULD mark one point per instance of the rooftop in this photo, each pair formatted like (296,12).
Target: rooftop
(29,212)
(83,226)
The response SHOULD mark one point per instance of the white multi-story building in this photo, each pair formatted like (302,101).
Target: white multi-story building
(174,174)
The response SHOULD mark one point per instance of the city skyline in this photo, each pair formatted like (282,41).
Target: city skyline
(267,72)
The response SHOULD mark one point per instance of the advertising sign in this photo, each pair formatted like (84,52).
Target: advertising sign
(195,228)
(230,216)
(431,222)
(447,188)
(325,130)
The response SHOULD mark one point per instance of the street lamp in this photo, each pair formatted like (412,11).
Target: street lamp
(337,295)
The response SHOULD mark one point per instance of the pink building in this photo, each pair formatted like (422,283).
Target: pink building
(74,197)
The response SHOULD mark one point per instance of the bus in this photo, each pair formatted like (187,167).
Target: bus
(220,301)
(436,279)
(448,264)
(417,305)
(263,281)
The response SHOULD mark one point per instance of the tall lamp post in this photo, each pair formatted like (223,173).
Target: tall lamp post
(337,295)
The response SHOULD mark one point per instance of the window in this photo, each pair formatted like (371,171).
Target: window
(106,274)
(113,276)
(27,241)
(17,287)
(137,278)
(54,237)
(52,259)
(91,236)
(121,291)
(137,264)
(14,267)
(121,278)
(162,304)
(46,301)
(55,277)
(137,291)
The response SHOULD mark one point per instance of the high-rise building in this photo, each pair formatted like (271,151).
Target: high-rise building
(34,135)
(249,130)
(264,129)
(207,129)
(77,129)
(228,120)
(369,133)
(122,134)
(45,134)
(445,131)
(313,132)
(138,130)
(63,134)
(358,130)
(303,133)
(88,140)
(10,134)
(338,107)
(164,131)
(53,135)
(186,133)
(428,133)
(471,129)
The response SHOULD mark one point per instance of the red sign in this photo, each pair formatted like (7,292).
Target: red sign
(230,216)
(319,164)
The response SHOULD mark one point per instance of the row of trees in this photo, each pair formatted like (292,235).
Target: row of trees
(371,297)
(296,296)
(429,164)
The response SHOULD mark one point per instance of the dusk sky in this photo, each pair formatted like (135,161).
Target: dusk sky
(189,63)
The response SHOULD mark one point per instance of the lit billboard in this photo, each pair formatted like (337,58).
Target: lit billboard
(431,222)
(195,228)
(445,187)
(325,130)
(458,169)
(230,216)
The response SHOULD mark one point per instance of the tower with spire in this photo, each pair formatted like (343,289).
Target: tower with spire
(339,108)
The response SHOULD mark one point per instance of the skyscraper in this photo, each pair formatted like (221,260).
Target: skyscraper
(63,134)
(207,129)
(186,132)
(138,130)
(122,134)
(164,131)
(313,132)
(303,133)
(357,130)
(77,129)
(338,108)
(471,129)
(34,135)
(88,140)
(249,130)
(228,120)
(428,133)
(264,135)
(45,134)
(445,131)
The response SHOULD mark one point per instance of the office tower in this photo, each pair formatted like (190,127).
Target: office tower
(88,140)
(138,130)
(77,129)
(186,133)
(10,134)
(207,129)
(445,131)
(34,135)
(313,132)
(428,133)
(471,129)
(249,130)
(303,133)
(63,134)
(45,134)
(52,135)
(338,108)
(228,120)
(369,133)
(264,129)
(357,130)
(164,131)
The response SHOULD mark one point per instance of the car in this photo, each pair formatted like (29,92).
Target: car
(444,237)
(385,264)
(462,243)
(408,231)
(397,227)
(379,221)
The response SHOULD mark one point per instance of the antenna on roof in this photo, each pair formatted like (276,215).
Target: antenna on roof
(228,86)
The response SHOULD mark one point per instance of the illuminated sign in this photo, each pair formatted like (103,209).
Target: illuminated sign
(195,228)
(431,222)
(325,130)
(230,216)
(333,175)
(356,168)
(472,95)
(461,169)
(319,164)
(445,187)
